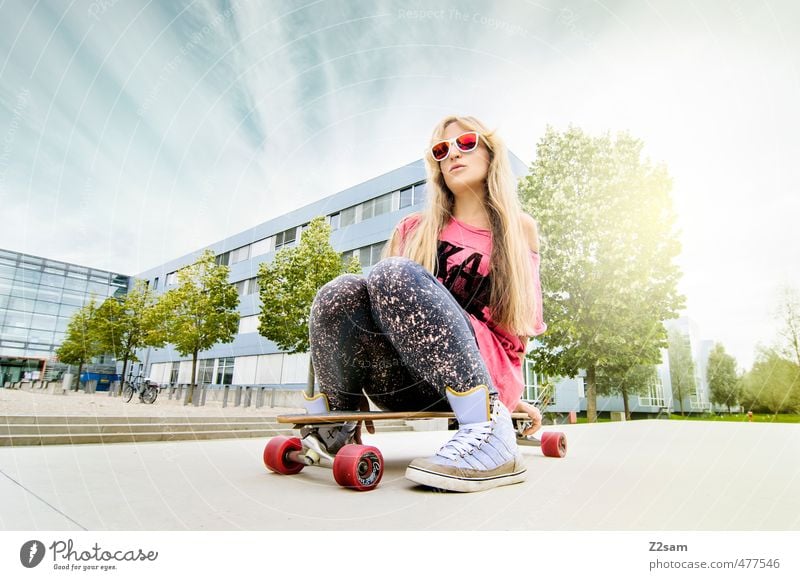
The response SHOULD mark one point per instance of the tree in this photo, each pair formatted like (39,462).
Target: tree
(288,285)
(723,381)
(637,380)
(125,324)
(788,314)
(681,366)
(200,312)
(608,244)
(773,384)
(80,343)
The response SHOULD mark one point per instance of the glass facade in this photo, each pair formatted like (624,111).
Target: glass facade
(38,297)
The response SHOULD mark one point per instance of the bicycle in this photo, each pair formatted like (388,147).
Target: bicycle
(147,389)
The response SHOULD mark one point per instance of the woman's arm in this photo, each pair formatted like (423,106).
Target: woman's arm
(531,231)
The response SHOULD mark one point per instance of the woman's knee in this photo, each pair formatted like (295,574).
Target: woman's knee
(392,275)
(342,293)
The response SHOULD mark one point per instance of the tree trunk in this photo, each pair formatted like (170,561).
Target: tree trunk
(591,395)
(78,378)
(124,371)
(625,404)
(194,378)
(311,377)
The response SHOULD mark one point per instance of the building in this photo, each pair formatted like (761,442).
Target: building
(38,296)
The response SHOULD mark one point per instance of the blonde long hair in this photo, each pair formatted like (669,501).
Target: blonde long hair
(512,298)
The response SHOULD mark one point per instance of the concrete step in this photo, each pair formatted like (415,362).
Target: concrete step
(68,434)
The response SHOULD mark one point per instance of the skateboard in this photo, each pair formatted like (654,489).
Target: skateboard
(360,467)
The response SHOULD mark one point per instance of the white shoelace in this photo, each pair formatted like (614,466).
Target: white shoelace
(466,439)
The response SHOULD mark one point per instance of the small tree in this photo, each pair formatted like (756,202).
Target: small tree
(199,313)
(80,343)
(288,285)
(773,384)
(722,378)
(788,315)
(681,366)
(637,380)
(125,325)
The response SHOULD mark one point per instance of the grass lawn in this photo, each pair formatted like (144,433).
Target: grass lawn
(757,418)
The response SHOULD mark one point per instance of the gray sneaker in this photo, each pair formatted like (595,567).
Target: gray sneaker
(483,453)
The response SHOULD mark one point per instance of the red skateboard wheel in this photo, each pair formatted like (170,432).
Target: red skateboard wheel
(554,444)
(275,455)
(358,467)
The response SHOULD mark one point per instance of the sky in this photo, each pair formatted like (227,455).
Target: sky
(135,133)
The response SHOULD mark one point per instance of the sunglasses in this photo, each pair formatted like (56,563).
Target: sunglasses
(465,142)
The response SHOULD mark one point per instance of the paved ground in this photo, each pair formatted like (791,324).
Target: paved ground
(643,475)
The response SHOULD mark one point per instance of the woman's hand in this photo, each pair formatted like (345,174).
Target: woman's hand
(533,413)
(363,405)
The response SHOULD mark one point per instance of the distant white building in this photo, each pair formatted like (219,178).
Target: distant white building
(570,393)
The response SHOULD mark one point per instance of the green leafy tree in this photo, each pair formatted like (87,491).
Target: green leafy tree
(199,313)
(608,244)
(681,367)
(788,315)
(81,342)
(773,384)
(637,380)
(125,324)
(723,380)
(288,285)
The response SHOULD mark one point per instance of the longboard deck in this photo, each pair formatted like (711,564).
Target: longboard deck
(337,417)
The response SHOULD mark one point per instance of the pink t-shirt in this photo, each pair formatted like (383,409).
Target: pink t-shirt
(463,269)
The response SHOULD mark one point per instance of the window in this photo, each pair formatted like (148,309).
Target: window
(383,204)
(46,308)
(346,256)
(348,217)
(368,209)
(376,207)
(222,259)
(285,238)
(406,197)
(367,256)
(239,255)
(419,192)
(43,322)
(252,287)
(262,247)
(173,373)
(75,284)
(205,372)
(375,251)
(155,283)
(171,279)
(224,371)
(248,324)
(334,221)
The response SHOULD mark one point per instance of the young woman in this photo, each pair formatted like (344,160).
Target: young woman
(443,320)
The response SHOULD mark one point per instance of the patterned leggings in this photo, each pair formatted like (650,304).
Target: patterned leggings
(398,334)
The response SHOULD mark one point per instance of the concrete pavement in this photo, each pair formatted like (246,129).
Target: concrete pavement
(641,475)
